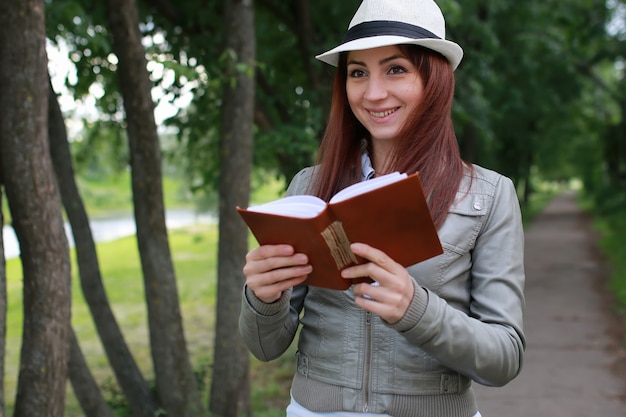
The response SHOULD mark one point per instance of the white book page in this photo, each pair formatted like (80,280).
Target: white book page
(302,206)
(365,186)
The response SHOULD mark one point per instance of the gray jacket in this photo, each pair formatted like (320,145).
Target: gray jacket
(464,323)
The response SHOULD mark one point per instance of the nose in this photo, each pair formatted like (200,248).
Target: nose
(376,89)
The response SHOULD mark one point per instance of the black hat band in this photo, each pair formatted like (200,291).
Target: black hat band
(387,27)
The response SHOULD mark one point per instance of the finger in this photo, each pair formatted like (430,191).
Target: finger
(377,256)
(268,251)
(270,264)
(370,298)
(268,287)
(366,270)
(379,262)
(362,290)
(376,292)
(275,289)
(277,276)
(389,305)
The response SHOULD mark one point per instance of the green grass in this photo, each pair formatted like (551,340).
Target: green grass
(194,252)
(608,208)
(535,205)
(612,229)
(543,193)
(113,195)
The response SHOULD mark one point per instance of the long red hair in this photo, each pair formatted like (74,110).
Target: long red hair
(426,144)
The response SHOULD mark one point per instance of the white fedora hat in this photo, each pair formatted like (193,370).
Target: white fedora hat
(393,22)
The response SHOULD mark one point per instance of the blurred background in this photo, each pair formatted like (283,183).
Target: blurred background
(540,97)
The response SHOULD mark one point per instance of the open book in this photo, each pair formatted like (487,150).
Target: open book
(389,213)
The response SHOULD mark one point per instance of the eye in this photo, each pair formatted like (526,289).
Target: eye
(356,73)
(397,69)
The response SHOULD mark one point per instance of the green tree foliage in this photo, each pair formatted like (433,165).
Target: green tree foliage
(538,85)
(292,89)
(527,91)
(101,150)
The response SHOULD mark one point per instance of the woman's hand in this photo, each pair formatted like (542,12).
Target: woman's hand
(390,299)
(272,269)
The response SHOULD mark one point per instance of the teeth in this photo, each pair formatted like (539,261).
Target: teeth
(382,113)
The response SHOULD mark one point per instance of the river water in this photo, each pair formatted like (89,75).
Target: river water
(108,229)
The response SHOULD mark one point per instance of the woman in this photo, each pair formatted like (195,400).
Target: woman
(411,344)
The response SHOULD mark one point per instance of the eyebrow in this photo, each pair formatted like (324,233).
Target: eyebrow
(381,62)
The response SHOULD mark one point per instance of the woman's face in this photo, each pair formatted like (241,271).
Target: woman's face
(383,88)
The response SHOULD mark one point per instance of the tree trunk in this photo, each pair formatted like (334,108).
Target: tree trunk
(85,387)
(619,144)
(176,385)
(468,142)
(129,377)
(36,212)
(3,300)
(305,32)
(230,382)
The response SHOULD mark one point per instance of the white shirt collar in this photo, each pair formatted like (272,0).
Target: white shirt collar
(367,170)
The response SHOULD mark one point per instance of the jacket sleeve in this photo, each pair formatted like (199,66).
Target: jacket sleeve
(269,329)
(487,342)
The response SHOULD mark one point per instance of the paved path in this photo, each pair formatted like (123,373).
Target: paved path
(574,364)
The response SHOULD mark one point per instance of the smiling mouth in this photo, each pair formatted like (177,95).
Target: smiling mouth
(383,113)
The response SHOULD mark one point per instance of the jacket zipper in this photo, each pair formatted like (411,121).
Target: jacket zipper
(368,357)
